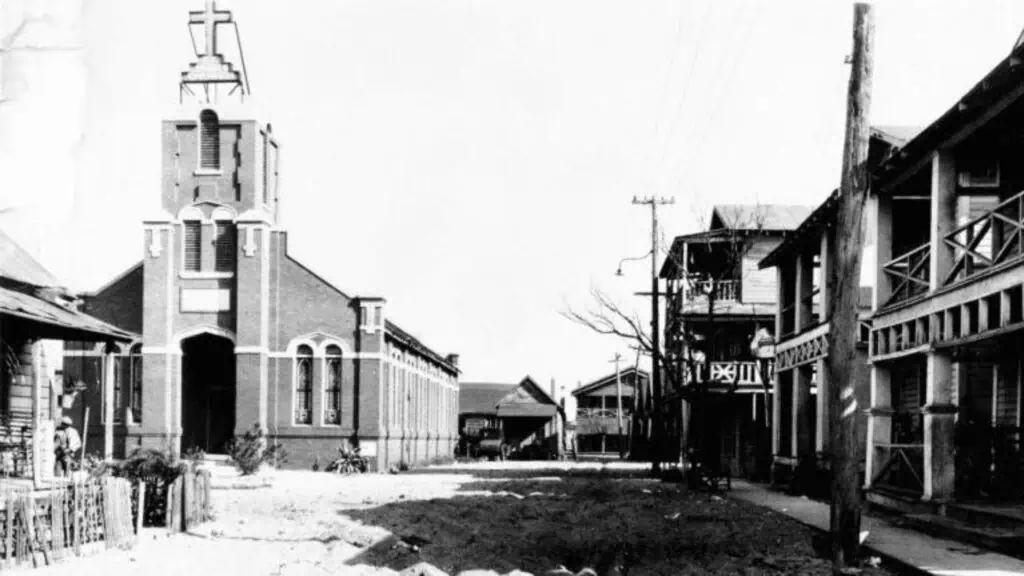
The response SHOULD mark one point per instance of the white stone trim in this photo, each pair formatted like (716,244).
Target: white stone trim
(252,350)
(222,213)
(197,330)
(159,350)
(319,351)
(155,241)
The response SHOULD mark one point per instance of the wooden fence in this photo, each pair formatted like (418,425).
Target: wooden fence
(188,500)
(71,520)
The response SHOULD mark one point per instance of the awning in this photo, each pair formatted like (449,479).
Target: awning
(57,322)
(527,410)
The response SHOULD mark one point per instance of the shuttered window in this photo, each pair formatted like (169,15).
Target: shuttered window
(192,246)
(209,141)
(225,247)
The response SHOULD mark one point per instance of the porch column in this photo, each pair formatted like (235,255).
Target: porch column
(803,434)
(879,419)
(824,269)
(777,423)
(108,402)
(943,217)
(939,419)
(804,287)
(880,214)
(821,432)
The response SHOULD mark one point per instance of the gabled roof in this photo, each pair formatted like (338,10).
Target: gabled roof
(1001,87)
(489,397)
(758,217)
(17,264)
(609,379)
(411,341)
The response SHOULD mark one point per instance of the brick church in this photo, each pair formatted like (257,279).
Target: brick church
(235,332)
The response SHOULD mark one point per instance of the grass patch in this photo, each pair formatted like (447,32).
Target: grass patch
(643,527)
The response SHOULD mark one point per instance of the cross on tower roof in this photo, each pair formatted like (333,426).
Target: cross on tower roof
(211,68)
(209,18)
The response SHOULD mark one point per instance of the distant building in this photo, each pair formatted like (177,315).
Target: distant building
(598,415)
(235,332)
(525,413)
(717,300)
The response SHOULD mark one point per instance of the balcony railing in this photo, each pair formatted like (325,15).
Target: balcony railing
(909,274)
(602,412)
(740,373)
(723,290)
(988,240)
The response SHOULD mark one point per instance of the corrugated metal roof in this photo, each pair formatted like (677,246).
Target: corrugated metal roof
(776,217)
(896,135)
(19,265)
(35,309)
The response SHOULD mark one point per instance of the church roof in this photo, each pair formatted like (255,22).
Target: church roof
(17,264)
(411,341)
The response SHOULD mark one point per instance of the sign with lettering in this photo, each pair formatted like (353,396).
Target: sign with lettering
(205,299)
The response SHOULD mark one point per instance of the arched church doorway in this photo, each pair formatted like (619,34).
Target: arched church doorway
(207,393)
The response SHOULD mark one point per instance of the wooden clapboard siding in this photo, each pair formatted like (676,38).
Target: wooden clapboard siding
(758,286)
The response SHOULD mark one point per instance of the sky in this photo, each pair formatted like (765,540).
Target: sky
(474,161)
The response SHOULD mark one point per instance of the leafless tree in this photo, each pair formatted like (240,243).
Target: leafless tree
(684,372)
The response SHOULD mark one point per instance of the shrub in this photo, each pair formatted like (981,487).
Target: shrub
(250,450)
(348,461)
(194,455)
(157,469)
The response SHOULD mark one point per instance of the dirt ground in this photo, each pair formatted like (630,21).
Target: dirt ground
(488,515)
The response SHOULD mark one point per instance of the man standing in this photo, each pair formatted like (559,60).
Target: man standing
(66,444)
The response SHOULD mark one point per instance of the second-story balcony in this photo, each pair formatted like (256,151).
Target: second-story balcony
(728,373)
(720,290)
(983,243)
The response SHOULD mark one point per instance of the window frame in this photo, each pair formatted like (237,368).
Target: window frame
(333,384)
(305,392)
(201,124)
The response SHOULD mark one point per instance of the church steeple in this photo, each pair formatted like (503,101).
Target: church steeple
(211,70)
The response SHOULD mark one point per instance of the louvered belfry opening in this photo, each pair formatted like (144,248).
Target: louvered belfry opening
(225,247)
(192,246)
(209,140)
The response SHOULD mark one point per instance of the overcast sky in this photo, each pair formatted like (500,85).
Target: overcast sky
(473,161)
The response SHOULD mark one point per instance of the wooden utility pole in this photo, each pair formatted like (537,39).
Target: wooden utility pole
(618,404)
(844,285)
(658,437)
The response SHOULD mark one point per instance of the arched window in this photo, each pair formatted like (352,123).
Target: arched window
(209,141)
(332,406)
(304,385)
(135,390)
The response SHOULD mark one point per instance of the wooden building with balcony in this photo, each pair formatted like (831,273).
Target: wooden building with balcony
(948,325)
(602,427)
(717,299)
(800,431)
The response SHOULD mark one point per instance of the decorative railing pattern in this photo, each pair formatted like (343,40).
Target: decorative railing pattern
(902,468)
(909,274)
(602,413)
(988,240)
(740,373)
(723,290)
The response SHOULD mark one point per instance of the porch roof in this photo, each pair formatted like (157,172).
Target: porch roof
(56,321)
(996,91)
(885,141)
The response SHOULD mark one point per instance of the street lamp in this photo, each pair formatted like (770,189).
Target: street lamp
(618,271)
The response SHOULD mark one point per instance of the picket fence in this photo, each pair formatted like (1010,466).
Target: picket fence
(71,520)
(188,500)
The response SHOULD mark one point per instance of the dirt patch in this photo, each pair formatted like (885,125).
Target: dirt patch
(640,526)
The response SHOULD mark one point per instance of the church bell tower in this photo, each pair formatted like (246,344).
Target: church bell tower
(208,252)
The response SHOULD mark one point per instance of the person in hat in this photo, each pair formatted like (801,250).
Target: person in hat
(65,444)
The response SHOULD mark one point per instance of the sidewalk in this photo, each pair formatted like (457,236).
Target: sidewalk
(925,553)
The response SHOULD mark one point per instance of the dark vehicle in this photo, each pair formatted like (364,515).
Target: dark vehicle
(490,444)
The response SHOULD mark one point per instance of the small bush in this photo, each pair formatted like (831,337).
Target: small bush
(250,450)
(157,469)
(349,461)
